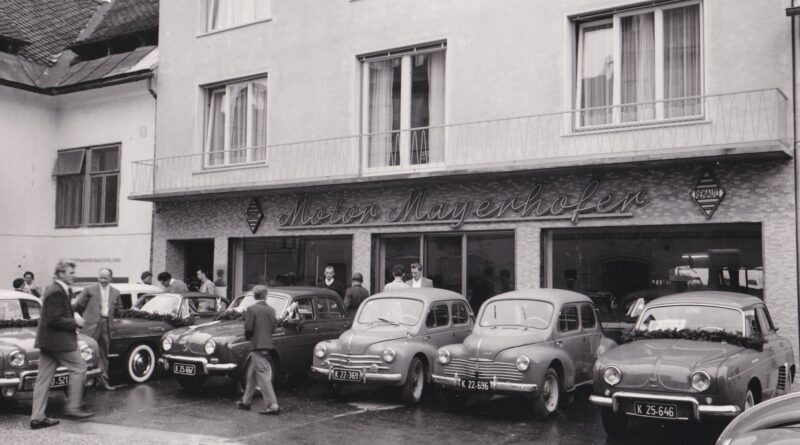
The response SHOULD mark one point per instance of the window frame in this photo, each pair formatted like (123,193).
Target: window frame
(593,311)
(658,98)
(208,12)
(432,310)
(577,320)
(86,175)
(462,306)
(324,301)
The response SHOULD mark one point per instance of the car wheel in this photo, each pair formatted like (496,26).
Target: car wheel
(616,425)
(415,382)
(141,363)
(191,384)
(452,400)
(749,400)
(547,402)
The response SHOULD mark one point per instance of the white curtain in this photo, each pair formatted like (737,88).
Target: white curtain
(258,131)
(215,129)
(226,13)
(383,113)
(597,74)
(238,122)
(682,61)
(638,67)
(435,137)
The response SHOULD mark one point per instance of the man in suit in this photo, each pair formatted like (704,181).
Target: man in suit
(96,304)
(356,294)
(417,280)
(331,283)
(170,284)
(259,325)
(57,340)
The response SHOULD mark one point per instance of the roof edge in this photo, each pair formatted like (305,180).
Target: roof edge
(82,86)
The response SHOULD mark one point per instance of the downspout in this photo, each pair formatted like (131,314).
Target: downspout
(796,162)
(153,93)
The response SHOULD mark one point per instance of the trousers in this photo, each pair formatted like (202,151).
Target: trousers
(48,363)
(259,373)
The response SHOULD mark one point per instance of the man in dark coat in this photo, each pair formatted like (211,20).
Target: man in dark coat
(96,304)
(331,282)
(259,325)
(57,340)
(356,294)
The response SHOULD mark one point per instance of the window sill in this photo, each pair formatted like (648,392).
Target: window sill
(229,167)
(242,25)
(377,171)
(88,226)
(631,126)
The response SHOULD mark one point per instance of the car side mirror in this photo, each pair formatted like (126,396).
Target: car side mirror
(636,308)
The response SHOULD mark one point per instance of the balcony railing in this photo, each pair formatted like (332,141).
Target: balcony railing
(711,125)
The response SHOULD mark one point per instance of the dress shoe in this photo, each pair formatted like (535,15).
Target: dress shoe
(271,411)
(44,423)
(243,406)
(78,415)
(108,387)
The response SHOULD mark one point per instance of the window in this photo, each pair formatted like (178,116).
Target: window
(438,316)
(568,319)
(460,313)
(236,123)
(328,308)
(78,205)
(403,100)
(588,320)
(639,66)
(764,320)
(223,14)
(305,308)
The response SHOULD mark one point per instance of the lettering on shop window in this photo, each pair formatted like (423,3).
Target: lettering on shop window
(417,210)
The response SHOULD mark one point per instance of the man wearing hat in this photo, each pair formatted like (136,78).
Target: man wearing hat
(356,294)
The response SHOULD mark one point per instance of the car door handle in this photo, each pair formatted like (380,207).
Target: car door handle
(772,348)
(156,328)
(559,343)
(426,338)
(316,329)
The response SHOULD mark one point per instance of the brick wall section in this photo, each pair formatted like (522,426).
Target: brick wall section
(758,191)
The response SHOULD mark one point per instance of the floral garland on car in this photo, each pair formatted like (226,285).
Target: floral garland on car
(735,339)
(288,323)
(19,323)
(171,319)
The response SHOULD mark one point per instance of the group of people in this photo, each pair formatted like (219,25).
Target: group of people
(25,284)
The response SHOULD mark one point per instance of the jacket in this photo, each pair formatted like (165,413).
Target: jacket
(335,286)
(89,304)
(426,282)
(57,329)
(177,286)
(259,325)
(354,297)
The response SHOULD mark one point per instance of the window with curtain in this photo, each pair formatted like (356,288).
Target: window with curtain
(404,106)
(236,123)
(223,14)
(640,66)
(78,205)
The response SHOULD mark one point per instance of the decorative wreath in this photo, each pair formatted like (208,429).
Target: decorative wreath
(288,324)
(171,319)
(736,339)
(19,323)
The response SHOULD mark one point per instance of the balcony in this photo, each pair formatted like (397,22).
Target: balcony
(742,123)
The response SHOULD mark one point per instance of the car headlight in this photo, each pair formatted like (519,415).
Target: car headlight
(523,363)
(388,355)
(16,358)
(320,350)
(612,375)
(86,351)
(210,347)
(701,381)
(166,343)
(443,355)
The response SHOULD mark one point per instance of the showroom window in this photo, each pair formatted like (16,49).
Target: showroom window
(403,106)
(235,123)
(639,66)
(222,14)
(87,187)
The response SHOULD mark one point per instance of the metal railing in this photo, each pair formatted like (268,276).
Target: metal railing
(666,128)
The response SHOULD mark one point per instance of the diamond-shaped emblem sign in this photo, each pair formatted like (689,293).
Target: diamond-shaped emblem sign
(708,193)
(254,215)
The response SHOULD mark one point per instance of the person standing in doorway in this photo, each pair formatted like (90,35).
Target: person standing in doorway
(397,272)
(96,304)
(356,294)
(29,286)
(206,285)
(417,280)
(331,282)
(259,325)
(171,284)
(57,340)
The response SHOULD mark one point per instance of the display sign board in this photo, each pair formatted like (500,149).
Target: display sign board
(254,215)
(708,194)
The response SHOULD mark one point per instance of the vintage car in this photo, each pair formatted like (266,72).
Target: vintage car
(136,333)
(394,340)
(774,422)
(129,293)
(690,356)
(19,360)
(538,343)
(307,314)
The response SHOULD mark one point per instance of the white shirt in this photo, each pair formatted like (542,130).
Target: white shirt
(104,300)
(416,283)
(328,282)
(398,283)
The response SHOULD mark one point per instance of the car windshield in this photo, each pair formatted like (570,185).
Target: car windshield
(162,304)
(19,310)
(694,317)
(391,311)
(242,302)
(526,313)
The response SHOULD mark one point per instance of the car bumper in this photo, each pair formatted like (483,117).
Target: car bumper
(698,410)
(368,377)
(19,382)
(494,384)
(205,366)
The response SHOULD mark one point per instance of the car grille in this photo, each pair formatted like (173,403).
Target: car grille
(782,378)
(362,362)
(485,370)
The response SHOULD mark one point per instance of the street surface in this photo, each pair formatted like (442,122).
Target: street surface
(161,412)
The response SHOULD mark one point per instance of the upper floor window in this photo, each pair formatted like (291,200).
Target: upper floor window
(236,123)
(403,106)
(78,204)
(223,14)
(640,66)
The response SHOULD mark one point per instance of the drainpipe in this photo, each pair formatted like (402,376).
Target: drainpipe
(153,93)
(793,12)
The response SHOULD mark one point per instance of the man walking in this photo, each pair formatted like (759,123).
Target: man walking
(170,284)
(356,294)
(331,282)
(259,325)
(96,304)
(57,341)
(417,280)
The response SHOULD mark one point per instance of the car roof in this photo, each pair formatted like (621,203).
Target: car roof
(6,294)
(714,298)
(556,296)
(426,294)
(124,287)
(296,291)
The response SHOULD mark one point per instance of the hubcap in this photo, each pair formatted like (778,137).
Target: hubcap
(141,364)
(749,401)
(418,382)
(550,393)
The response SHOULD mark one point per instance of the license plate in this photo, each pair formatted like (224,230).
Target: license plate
(182,369)
(59,380)
(657,410)
(346,375)
(475,385)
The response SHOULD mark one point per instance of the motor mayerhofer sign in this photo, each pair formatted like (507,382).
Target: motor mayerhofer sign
(708,194)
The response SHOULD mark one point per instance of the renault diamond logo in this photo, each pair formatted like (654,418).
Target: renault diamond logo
(708,193)
(653,382)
